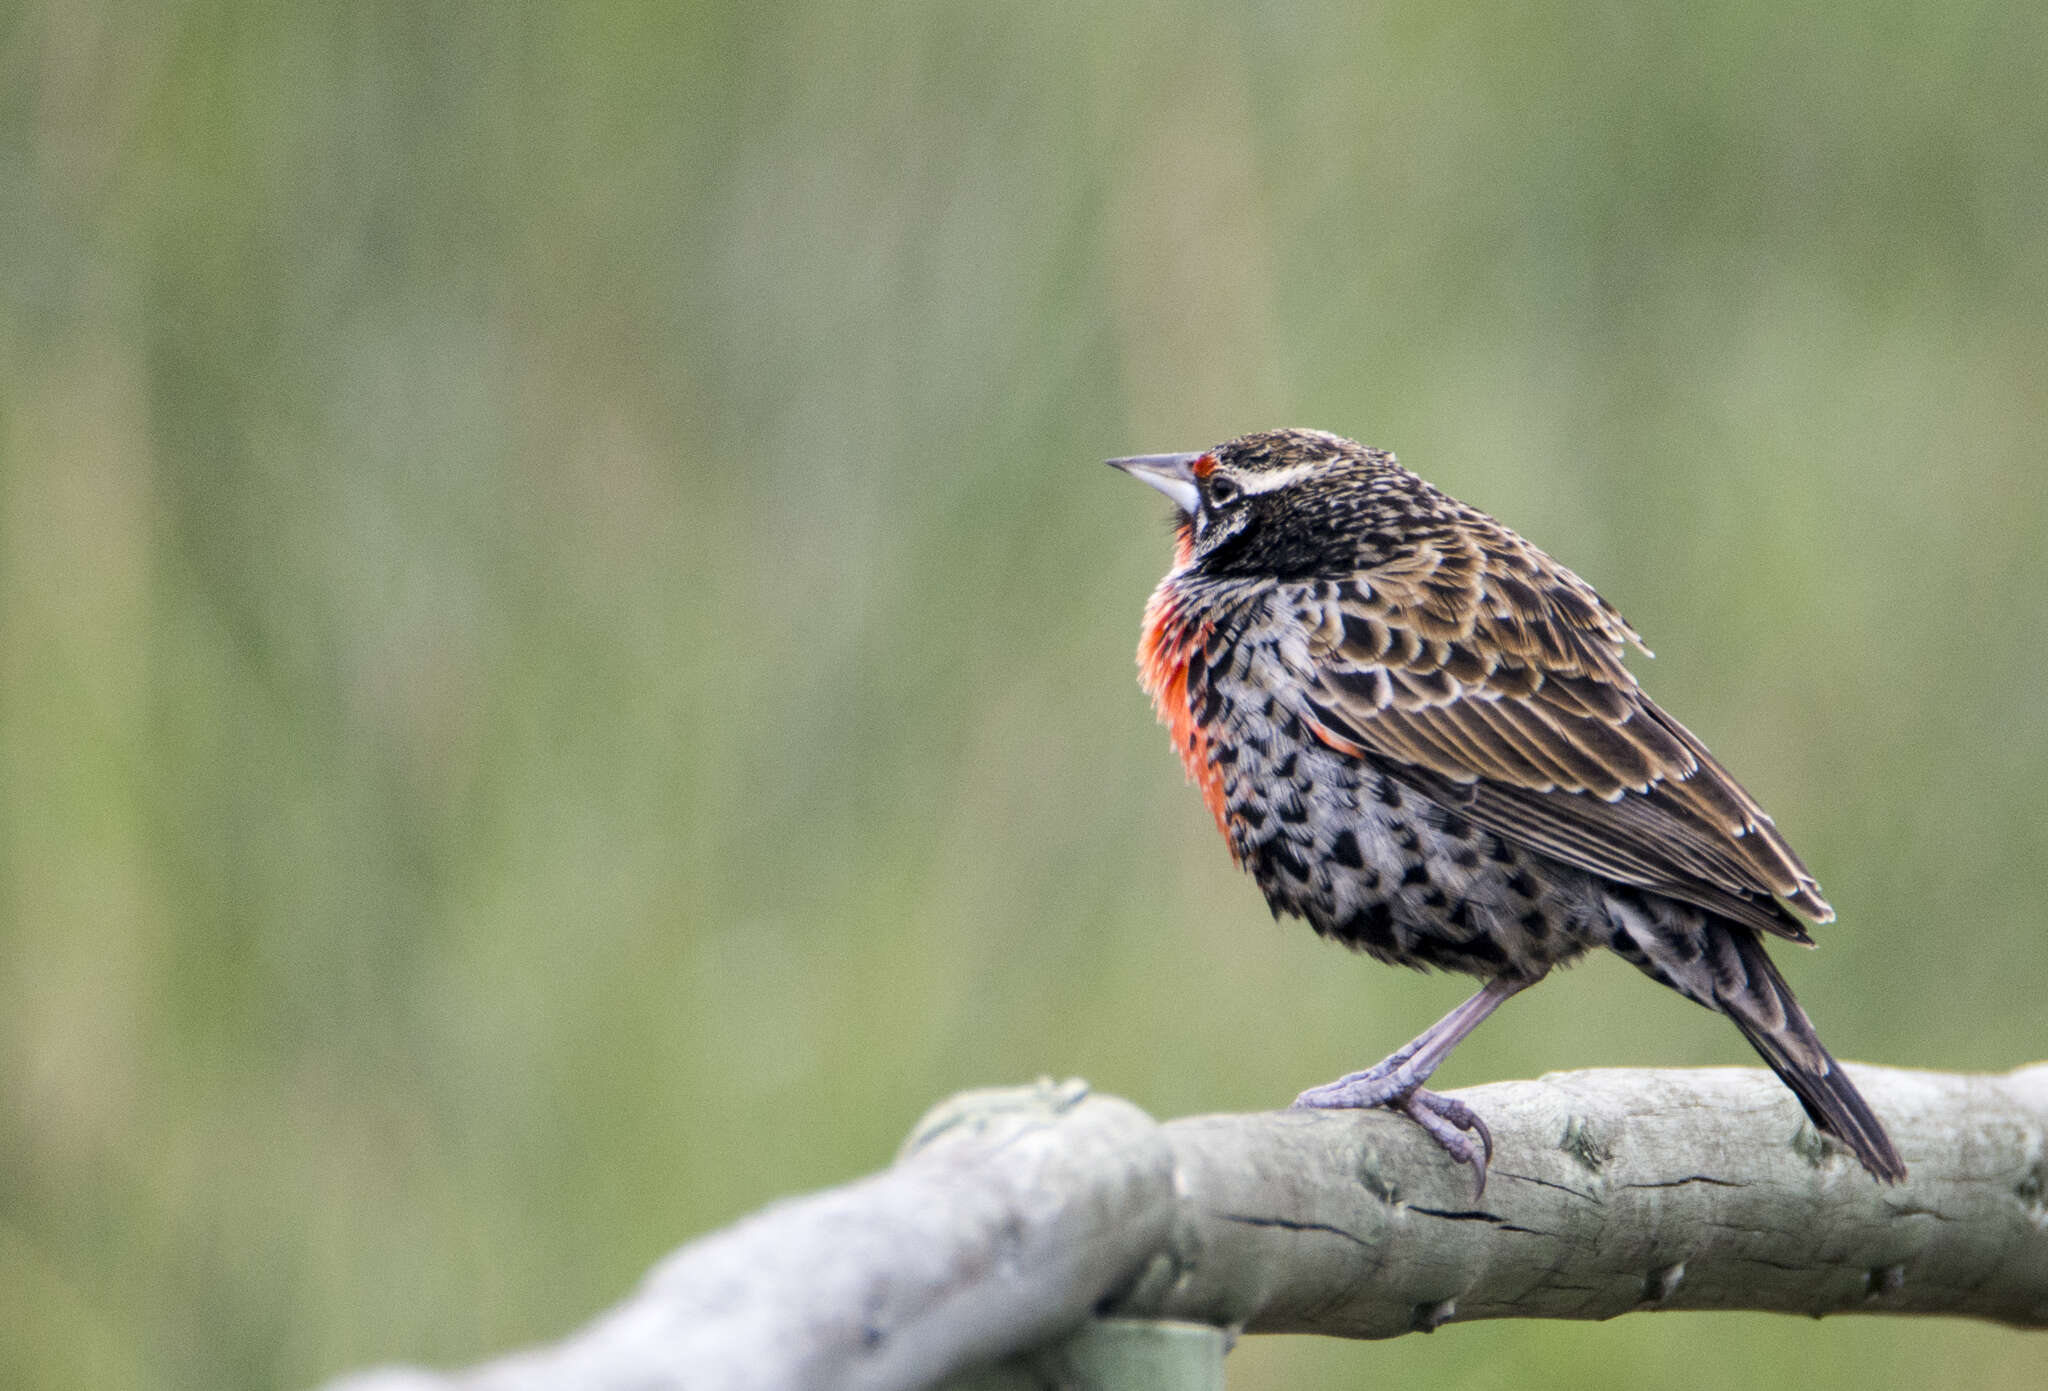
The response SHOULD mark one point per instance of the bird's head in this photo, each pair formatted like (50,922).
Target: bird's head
(1286,503)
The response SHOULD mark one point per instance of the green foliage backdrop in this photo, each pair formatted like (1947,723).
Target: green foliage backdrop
(566,654)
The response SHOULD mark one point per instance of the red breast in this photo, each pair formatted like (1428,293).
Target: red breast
(1165,649)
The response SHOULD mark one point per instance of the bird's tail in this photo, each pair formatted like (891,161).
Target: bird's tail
(1749,990)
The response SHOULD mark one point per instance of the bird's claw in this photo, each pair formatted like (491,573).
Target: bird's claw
(1447,1120)
(1373,1087)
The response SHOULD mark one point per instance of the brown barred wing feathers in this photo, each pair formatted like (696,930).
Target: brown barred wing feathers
(1491,678)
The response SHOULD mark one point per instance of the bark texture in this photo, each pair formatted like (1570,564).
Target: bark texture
(1013,1214)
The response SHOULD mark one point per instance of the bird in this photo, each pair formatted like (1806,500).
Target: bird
(1417,731)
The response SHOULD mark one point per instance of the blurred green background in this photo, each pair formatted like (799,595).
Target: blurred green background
(566,654)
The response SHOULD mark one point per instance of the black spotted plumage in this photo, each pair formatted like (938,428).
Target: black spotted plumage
(1416,731)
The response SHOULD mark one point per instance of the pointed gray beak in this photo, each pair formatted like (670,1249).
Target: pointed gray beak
(1172,474)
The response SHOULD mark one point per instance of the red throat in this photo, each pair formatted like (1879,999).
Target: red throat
(1164,650)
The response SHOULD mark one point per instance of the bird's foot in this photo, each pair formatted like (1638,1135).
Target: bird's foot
(1451,1123)
(1382,1084)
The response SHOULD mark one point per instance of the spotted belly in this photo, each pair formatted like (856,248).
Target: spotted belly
(1376,865)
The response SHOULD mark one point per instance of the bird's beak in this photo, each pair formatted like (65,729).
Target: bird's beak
(1172,474)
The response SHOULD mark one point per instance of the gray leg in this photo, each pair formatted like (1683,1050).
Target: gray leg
(1396,1082)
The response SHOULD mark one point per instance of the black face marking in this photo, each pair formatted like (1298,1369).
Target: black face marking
(1331,487)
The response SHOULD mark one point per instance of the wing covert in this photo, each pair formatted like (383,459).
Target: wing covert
(1492,679)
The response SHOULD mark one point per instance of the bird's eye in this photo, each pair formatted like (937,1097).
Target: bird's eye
(1222,492)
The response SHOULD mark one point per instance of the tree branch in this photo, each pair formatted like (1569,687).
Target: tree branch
(1014,1214)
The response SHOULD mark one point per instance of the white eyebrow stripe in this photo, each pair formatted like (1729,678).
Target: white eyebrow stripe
(1268,480)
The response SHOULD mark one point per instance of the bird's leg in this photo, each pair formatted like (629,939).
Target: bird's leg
(1409,1066)
(1396,1081)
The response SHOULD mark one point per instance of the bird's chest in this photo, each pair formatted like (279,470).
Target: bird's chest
(1362,856)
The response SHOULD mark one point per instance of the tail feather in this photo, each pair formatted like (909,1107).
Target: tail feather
(1752,993)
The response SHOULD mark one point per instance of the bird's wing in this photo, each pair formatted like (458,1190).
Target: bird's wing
(1491,678)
